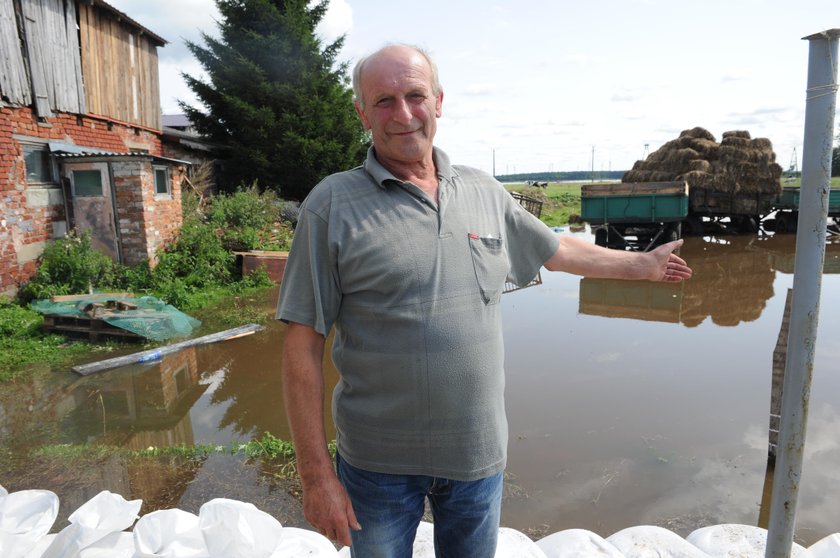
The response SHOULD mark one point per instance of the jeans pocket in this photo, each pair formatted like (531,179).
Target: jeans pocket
(491,266)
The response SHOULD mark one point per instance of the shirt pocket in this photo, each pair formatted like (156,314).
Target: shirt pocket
(491,266)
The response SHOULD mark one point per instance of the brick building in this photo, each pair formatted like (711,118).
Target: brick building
(81,146)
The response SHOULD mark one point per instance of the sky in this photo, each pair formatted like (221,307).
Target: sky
(554,85)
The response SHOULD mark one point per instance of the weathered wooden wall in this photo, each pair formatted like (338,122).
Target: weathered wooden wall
(52,48)
(120,69)
(14,84)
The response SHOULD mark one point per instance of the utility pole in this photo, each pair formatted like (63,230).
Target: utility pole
(592,171)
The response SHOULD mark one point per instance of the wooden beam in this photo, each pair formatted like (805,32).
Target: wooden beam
(154,354)
(678,187)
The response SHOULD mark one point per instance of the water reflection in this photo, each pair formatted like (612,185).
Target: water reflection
(628,403)
(136,406)
(732,283)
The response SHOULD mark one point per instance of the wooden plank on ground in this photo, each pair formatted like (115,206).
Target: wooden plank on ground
(91,297)
(677,187)
(154,354)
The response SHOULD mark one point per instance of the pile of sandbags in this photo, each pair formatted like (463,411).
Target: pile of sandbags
(738,164)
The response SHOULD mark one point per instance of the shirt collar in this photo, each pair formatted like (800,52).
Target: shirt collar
(382,175)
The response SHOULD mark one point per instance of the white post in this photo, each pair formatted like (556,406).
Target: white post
(807,280)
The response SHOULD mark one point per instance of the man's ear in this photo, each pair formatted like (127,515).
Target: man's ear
(361,113)
(439,104)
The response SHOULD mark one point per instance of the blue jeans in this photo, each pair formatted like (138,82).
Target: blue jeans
(389,508)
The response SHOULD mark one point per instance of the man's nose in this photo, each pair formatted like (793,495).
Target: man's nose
(402,111)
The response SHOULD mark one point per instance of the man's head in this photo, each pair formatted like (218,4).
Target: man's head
(398,98)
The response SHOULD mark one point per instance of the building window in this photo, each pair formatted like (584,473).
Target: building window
(162,181)
(38,164)
(87,183)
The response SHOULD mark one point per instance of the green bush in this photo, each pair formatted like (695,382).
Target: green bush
(249,220)
(70,265)
(17,321)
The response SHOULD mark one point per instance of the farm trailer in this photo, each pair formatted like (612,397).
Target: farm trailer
(645,214)
(787,209)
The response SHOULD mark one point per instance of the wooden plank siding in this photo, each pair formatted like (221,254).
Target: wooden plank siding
(120,70)
(52,48)
(14,83)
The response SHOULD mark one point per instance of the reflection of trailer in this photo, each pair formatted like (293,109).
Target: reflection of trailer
(787,205)
(652,212)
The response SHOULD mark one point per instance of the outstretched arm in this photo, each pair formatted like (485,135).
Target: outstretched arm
(579,257)
(325,502)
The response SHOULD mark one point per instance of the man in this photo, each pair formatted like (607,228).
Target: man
(406,256)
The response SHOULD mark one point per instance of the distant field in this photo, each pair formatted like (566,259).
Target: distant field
(835,182)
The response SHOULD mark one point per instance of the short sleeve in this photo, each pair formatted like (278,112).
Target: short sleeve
(310,292)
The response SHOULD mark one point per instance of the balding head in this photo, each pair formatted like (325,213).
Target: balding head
(388,51)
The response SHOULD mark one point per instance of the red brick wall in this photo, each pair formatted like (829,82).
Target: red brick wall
(147,222)
(29,217)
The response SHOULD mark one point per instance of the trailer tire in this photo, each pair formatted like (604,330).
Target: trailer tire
(693,226)
(673,231)
(601,237)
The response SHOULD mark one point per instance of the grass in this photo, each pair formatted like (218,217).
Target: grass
(797,182)
(267,447)
(561,201)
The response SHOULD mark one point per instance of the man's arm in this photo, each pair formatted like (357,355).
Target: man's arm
(325,503)
(579,257)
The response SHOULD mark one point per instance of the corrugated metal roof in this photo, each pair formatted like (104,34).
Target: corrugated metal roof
(81,152)
(122,16)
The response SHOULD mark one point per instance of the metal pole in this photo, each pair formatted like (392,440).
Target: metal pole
(807,280)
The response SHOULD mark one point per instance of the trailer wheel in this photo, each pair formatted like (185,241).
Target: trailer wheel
(673,232)
(693,226)
(601,237)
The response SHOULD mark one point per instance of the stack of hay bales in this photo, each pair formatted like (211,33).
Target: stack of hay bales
(738,164)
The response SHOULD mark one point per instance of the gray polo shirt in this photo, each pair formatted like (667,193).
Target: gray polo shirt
(412,288)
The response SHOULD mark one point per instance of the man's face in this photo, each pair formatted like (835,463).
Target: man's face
(400,107)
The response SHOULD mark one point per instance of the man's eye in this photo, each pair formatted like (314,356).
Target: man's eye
(384,103)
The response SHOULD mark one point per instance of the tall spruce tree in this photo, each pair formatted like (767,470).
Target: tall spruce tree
(275,97)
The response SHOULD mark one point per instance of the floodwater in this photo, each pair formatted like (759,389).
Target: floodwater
(628,403)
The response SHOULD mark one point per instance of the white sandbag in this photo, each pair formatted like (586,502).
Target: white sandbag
(299,543)
(515,544)
(115,545)
(646,541)
(169,533)
(733,540)
(827,547)
(577,543)
(97,518)
(25,517)
(234,529)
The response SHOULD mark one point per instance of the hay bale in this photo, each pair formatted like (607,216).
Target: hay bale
(735,141)
(636,176)
(737,164)
(698,133)
(678,159)
(728,153)
(762,144)
(708,149)
(735,134)
(701,165)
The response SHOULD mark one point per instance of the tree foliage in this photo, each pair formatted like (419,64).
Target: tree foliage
(275,96)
